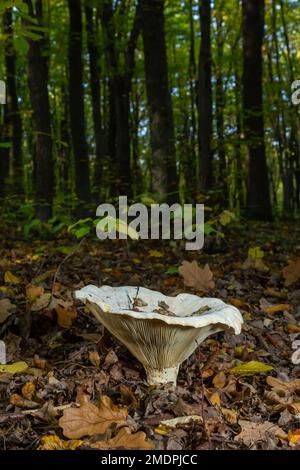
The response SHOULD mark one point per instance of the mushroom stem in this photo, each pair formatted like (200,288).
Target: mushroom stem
(162,376)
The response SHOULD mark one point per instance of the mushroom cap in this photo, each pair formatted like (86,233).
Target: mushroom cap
(159,330)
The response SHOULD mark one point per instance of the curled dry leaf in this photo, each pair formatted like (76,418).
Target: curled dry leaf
(166,425)
(88,419)
(6,309)
(295,359)
(125,440)
(200,279)
(28,390)
(55,443)
(231,416)
(290,387)
(291,272)
(253,432)
(219,380)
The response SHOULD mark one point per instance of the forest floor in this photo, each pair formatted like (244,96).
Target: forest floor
(77,374)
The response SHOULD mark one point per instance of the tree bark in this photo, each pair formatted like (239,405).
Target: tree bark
(38,88)
(13,112)
(258,203)
(76,106)
(94,66)
(205,100)
(164,174)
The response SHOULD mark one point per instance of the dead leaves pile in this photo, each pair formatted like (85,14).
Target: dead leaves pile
(98,422)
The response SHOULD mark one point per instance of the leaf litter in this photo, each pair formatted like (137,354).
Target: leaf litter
(68,384)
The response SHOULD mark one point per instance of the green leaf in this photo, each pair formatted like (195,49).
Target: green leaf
(14,368)
(172,270)
(226,217)
(250,368)
(81,232)
(21,45)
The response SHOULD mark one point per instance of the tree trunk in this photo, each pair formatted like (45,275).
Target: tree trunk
(164,174)
(14,117)
(220,106)
(4,150)
(205,100)
(120,88)
(76,106)
(38,88)
(93,51)
(258,203)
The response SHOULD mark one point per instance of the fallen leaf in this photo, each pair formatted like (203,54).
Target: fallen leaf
(6,309)
(252,432)
(28,390)
(250,368)
(33,292)
(156,254)
(125,440)
(180,421)
(41,302)
(295,359)
(94,358)
(200,279)
(231,416)
(291,272)
(10,278)
(215,399)
(21,402)
(219,380)
(55,443)
(88,419)
(277,384)
(294,437)
(14,368)
(277,308)
(65,316)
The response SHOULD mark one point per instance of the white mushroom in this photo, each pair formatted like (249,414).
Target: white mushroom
(160,331)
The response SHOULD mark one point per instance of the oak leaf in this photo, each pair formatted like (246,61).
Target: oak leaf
(200,279)
(252,432)
(125,440)
(88,419)
(291,272)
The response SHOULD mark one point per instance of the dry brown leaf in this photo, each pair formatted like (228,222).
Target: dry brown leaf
(28,390)
(6,309)
(252,432)
(34,292)
(94,358)
(215,399)
(295,358)
(231,416)
(65,316)
(291,272)
(278,384)
(200,279)
(219,380)
(277,308)
(55,443)
(125,440)
(88,419)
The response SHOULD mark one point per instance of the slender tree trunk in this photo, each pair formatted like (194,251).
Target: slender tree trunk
(220,106)
(4,149)
(93,51)
(120,88)
(38,81)
(205,100)
(164,174)
(258,203)
(15,122)
(76,106)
